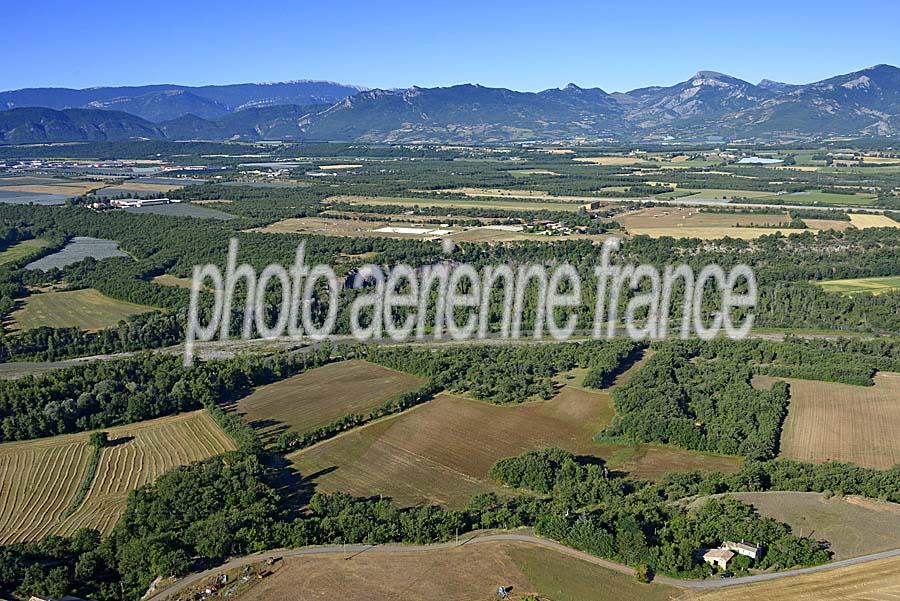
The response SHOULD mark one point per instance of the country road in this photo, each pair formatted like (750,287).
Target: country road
(352,551)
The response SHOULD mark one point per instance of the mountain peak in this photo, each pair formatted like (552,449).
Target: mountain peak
(710,75)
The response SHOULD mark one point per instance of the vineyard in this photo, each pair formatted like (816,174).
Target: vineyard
(40,478)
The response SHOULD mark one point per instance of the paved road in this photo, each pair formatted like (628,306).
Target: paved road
(351,551)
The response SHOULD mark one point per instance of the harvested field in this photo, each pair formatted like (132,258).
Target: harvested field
(867,220)
(167,279)
(324,226)
(875,580)
(713,233)
(609,160)
(465,573)
(440,452)
(841,422)
(40,478)
(666,217)
(68,188)
(487,201)
(319,396)
(854,286)
(828,224)
(86,309)
(21,250)
(853,526)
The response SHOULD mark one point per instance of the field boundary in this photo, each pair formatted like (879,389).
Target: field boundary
(353,550)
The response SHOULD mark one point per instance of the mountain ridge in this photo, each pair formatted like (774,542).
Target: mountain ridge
(709,106)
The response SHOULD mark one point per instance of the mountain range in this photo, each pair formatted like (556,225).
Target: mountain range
(707,107)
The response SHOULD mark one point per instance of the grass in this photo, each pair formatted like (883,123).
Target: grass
(855,286)
(440,452)
(713,233)
(40,479)
(872,580)
(464,573)
(319,396)
(852,526)
(86,309)
(168,279)
(21,250)
(841,422)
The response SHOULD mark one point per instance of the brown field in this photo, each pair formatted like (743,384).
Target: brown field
(64,187)
(139,187)
(41,478)
(682,222)
(440,452)
(86,309)
(339,167)
(863,221)
(477,200)
(872,581)
(609,160)
(828,224)
(671,217)
(167,279)
(319,396)
(841,422)
(341,227)
(853,526)
(714,233)
(465,573)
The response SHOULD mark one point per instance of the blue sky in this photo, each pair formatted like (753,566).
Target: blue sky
(522,45)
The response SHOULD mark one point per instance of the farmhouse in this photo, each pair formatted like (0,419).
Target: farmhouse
(742,548)
(718,557)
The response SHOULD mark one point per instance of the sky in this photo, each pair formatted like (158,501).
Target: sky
(523,45)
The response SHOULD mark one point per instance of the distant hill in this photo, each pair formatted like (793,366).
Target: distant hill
(707,107)
(164,102)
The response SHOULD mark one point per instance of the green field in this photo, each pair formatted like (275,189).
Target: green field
(855,286)
(85,309)
(822,198)
(22,250)
(510,204)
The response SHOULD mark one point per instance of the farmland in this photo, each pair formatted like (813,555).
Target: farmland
(464,573)
(867,220)
(872,580)
(40,478)
(85,309)
(852,526)
(841,422)
(21,250)
(854,286)
(78,249)
(487,201)
(426,455)
(319,396)
(694,223)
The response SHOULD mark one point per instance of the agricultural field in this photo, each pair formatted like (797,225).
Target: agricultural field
(720,194)
(426,454)
(853,526)
(86,309)
(860,199)
(857,285)
(830,421)
(168,279)
(182,209)
(466,573)
(21,250)
(78,249)
(319,396)
(40,478)
(324,226)
(487,201)
(610,160)
(49,185)
(866,220)
(680,222)
(874,580)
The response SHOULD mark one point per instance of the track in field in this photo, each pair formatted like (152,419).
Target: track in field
(40,478)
